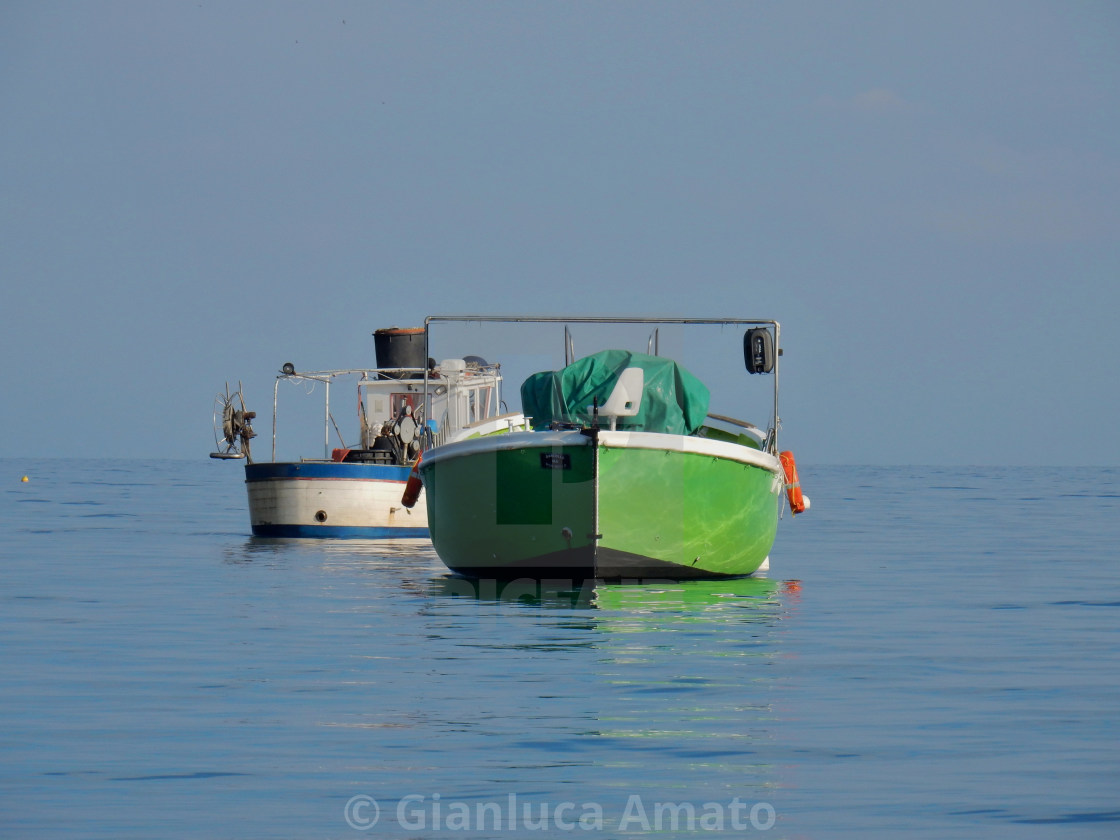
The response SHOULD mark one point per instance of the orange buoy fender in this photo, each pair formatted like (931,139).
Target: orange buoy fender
(793,485)
(412,488)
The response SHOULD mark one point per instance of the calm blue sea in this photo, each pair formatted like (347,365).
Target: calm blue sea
(935,653)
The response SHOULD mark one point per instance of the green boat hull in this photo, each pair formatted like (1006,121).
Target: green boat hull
(614,505)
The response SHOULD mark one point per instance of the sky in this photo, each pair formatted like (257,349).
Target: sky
(925,195)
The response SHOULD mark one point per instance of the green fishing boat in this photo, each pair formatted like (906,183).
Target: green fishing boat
(616,470)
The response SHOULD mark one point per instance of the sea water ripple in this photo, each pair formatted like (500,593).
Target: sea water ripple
(933,653)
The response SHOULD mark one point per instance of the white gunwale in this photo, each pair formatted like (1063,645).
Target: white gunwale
(609,440)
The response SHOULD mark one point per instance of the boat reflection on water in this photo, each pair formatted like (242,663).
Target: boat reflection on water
(530,592)
(412,562)
(407,555)
(697,599)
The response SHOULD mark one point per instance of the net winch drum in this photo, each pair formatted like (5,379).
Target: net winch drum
(397,348)
(758,350)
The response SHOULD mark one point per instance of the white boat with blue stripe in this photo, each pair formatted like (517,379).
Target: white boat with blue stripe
(405,405)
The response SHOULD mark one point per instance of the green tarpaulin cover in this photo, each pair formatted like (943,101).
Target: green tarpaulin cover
(673,400)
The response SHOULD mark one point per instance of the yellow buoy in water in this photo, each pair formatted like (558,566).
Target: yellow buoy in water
(25,478)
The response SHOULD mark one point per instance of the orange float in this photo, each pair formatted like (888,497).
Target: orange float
(793,484)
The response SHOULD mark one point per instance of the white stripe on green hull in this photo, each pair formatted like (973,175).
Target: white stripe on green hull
(634,505)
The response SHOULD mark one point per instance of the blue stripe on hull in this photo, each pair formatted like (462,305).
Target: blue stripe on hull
(336,532)
(266,472)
